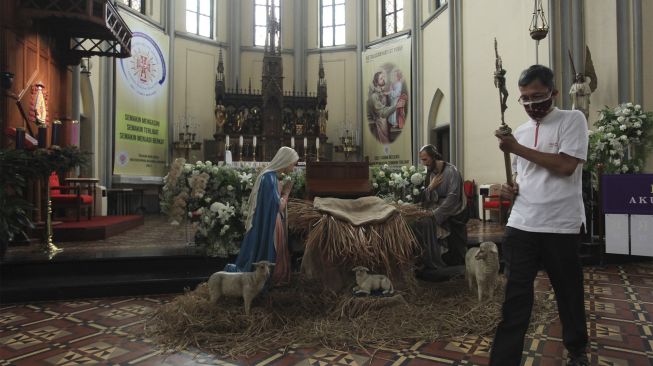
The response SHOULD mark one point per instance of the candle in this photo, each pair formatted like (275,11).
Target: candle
(254,141)
(317,142)
(305,142)
(43,135)
(20,138)
(227,141)
(74,136)
(240,140)
(292,142)
(56,126)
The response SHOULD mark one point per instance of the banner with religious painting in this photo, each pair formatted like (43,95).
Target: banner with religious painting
(387,127)
(141,122)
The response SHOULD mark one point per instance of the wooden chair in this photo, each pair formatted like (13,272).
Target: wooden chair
(491,202)
(74,200)
(469,188)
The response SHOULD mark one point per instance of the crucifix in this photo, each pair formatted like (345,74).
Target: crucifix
(504,129)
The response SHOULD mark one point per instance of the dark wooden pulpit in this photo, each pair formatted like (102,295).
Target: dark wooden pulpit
(338,179)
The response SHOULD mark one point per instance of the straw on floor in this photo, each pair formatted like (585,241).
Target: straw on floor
(304,315)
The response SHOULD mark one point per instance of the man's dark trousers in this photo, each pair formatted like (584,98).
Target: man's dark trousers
(524,253)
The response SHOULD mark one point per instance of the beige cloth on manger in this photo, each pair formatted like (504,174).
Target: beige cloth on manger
(360,211)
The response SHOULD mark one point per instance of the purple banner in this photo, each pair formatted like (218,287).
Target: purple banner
(627,193)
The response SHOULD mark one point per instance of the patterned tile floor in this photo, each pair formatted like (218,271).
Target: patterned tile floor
(619,300)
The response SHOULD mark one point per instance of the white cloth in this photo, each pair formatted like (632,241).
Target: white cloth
(283,158)
(548,202)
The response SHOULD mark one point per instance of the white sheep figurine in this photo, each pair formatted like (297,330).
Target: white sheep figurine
(482,269)
(366,283)
(237,284)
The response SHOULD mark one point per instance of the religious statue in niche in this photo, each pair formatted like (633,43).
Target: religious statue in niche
(220,118)
(312,122)
(241,120)
(584,85)
(40,106)
(300,122)
(255,120)
(324,116)
(287,118)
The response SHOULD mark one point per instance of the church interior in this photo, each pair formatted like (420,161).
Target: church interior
(140,139)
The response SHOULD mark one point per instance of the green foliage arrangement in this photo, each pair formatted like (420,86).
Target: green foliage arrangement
(18,167)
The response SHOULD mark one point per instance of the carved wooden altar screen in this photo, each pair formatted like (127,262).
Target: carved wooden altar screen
(274,116)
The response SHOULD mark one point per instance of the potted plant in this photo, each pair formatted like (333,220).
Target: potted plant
(18,168)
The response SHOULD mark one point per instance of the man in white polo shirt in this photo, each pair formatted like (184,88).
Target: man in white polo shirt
(546,219)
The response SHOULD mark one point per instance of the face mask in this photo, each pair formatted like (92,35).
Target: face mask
(537,111)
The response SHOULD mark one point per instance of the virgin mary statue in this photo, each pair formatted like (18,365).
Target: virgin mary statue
(265,229)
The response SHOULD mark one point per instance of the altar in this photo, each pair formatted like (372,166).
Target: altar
(254,123)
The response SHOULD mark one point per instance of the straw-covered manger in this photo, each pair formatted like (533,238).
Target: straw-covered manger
(308,314)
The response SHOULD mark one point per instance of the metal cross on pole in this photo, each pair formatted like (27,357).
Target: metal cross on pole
(504,129)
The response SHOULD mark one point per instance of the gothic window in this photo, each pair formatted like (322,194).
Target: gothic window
(137,5)
(393,16)
(199,17)
(332,23)
(261,12)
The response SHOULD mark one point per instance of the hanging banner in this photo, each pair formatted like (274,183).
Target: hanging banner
(141,125)
(387,129)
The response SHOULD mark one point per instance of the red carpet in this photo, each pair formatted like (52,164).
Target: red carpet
(97,228)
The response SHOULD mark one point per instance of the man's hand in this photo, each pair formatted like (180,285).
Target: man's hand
(507,143)
(435,182)
(509,192)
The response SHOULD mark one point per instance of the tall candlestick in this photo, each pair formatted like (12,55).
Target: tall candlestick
(305,142)
(56,126)
(254,148)
(74,132)
(20,138)
(240,147)
(292,142)
(317,142)
(227,142)
(43,136)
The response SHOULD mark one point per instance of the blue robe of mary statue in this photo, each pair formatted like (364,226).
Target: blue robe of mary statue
(258,243)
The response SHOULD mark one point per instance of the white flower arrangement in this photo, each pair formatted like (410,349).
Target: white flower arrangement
(619,144)
(402,185)
(215,199)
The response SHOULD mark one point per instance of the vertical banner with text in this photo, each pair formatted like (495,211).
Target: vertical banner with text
(141,126)
(387,125)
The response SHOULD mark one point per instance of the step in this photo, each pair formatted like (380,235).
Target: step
(118,276)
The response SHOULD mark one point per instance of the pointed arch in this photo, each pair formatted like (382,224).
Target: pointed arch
(438,135)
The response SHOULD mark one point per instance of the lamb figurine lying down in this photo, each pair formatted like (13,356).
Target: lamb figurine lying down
(482,269)
(237,284)
(366,283)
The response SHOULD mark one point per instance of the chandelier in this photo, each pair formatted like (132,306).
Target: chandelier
(539,26)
